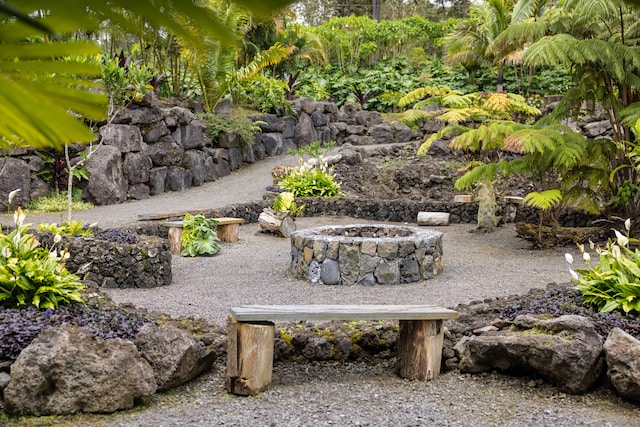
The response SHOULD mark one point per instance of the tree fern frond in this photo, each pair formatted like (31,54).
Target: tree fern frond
(543,200)
(411,117)
(420,93)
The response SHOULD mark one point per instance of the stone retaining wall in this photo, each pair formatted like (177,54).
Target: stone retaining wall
(148,150)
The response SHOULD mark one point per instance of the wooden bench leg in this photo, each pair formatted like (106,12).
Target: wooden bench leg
(175,240)
(228,232)
(419,350)
(249,357)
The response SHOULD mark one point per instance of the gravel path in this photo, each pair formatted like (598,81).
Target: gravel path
(254,271)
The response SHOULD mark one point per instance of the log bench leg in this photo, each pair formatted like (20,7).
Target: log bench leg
(419,349)
(249,357)
(175,240)
(228,232)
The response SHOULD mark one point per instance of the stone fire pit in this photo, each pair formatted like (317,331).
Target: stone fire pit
(366,254)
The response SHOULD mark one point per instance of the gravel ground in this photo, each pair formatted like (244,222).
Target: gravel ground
(254,271)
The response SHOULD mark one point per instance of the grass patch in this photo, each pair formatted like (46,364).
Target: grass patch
(56,202)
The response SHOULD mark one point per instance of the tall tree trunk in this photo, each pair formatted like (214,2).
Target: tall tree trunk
(375,14)
(500,86)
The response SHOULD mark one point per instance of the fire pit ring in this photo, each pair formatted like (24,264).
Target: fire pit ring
(366,254)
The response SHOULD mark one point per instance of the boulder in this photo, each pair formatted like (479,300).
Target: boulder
(126,138)
(288,126)
(358,140)
(622,353)
(224,106)
(157,180)
(235,158)
(175,356)
(307,105)
(137,115)
(402,132)
(440,147)
(67,370)
(136,167)
(139,192)
(259,151)
(347,112)
(190,136)
(305,132)
(178,116)
(319,119)
(271,123)
(107,184)
(194,161)
(368,118)
(230,139)
(596,129)
(564,350)
(165,152)
(38,188)
(272,143)
(14,175)
(155,131)
(381,133)
(178,179)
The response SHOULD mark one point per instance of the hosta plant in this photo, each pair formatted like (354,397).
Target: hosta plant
(199,236)
(33,275)
(613,284)
(284,202)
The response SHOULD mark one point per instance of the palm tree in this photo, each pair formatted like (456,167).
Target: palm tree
(472,43)
(45,78)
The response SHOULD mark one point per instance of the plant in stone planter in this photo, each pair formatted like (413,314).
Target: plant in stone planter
(31,274)
(199,236)
(279,219)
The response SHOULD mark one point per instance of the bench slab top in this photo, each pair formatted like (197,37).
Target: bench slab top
(221,221)
(248,313)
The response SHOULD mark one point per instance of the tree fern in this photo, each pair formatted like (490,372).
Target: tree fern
(543,200)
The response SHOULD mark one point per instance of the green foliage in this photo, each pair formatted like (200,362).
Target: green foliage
(310,183)
(66,228)
(314,149)
(124,79)
(285,202)
(30,274)
(266,94)
(614,283)
(199,236)
(220,123)
(57,202)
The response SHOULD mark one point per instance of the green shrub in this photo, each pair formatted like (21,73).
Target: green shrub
(199,236)
(310,183)
(220,123)
(614,283)
(31,274)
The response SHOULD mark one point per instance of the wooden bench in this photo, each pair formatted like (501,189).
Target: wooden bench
(251,335)
(227,232)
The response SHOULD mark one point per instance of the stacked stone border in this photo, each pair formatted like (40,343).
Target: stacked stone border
(366,254)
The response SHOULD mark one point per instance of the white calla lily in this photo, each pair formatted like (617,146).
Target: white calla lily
(627,224)
(574,275)
(568,257)
(622,239)
(586,257)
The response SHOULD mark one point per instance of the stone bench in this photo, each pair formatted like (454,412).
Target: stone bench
(227,232)
(251,334)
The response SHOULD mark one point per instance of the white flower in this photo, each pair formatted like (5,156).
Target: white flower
(12,195)
(591,244)
(57,238)
(19,216)
(568,257)
(6,252)
(615,251)
(574,275)
(627,224)
(586,257)
(622,239)
(580,247)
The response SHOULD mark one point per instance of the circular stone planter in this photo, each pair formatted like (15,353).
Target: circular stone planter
(366,254)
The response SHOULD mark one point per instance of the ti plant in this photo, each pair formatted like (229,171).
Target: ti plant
(199,236)
(31,274)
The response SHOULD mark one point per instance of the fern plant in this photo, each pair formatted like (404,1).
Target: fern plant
(199,236)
